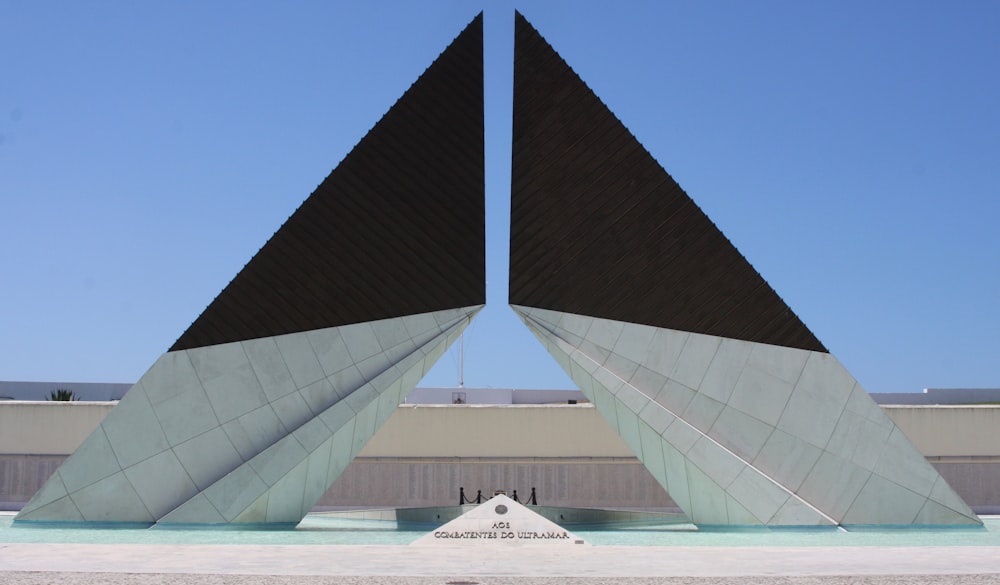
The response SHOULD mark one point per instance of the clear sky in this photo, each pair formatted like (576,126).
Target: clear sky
(850,149)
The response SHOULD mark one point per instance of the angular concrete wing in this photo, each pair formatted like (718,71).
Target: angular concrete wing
(723,393)
(268,395)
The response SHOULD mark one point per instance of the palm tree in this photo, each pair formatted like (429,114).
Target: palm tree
(63,395)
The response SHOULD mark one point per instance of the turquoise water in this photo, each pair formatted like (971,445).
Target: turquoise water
(328,530)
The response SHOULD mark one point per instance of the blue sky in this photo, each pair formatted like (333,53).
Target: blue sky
(850,150)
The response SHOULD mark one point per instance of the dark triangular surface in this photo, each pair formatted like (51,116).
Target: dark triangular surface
(598,227)
(396,229)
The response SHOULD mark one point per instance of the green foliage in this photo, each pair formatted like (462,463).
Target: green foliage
(63,395)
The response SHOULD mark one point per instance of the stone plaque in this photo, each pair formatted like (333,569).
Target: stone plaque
(500,521)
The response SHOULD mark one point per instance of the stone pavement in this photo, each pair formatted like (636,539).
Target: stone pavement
(19,563)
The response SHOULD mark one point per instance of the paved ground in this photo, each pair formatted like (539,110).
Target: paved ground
(22,564)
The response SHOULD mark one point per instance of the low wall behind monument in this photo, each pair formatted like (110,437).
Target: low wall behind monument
(425,453)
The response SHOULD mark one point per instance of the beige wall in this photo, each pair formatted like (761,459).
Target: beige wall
(950,431)
(496,431)
(58,428)
(424,453)
(48,428)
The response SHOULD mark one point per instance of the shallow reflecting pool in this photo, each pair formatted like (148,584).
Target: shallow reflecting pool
(333,530)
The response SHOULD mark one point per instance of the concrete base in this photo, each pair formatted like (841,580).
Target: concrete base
(26,563)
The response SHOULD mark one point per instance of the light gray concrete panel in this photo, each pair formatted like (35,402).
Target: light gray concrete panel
(93,460)
(593,351)
(652,453)
(360,340)
(372,366)
(738,515)
(795,513)
(321,395)
(228,380)
(412,376)
(337,416)
(784,363)
(607,380)
(63,509)
(208,457)
(51,490)
(255,513)
(235,463)
(278,459)
(579,374)
(269,367)
(664,351)
(633,342)
(718,464)
(284,500)
(184,415)
(818,400)
(582,361)
(161,483)
(620,366)
(297,352)
(312,434)
(884,502)
(901,463)
(564,361)
(111,500)
(708,500)
(675,397)
(657,417)
(787,459)
(292,410)
(761,395)
(554,332)
(346,381)
(389,400)
(459,317)
(391,333)
(694,360)
(254,431)
(832,485)
(341,449)
(330,349)
(725,368)
(420,325)
(934,513)
(604,401)
(628,428)
(740,433)
(171,376)
(604,333)
(576,325)
(197,510)
(233,493)
(681,435)
(362,397)
(759,496)
(862,404)
(432,354)
(650,382)
(677,482)
(859,439)
(632,398)
(702,412)
(133,430)
(316,475)
(364,427)
(943,494)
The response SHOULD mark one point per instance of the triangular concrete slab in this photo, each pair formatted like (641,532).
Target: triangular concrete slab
(730,401)
(267,396)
